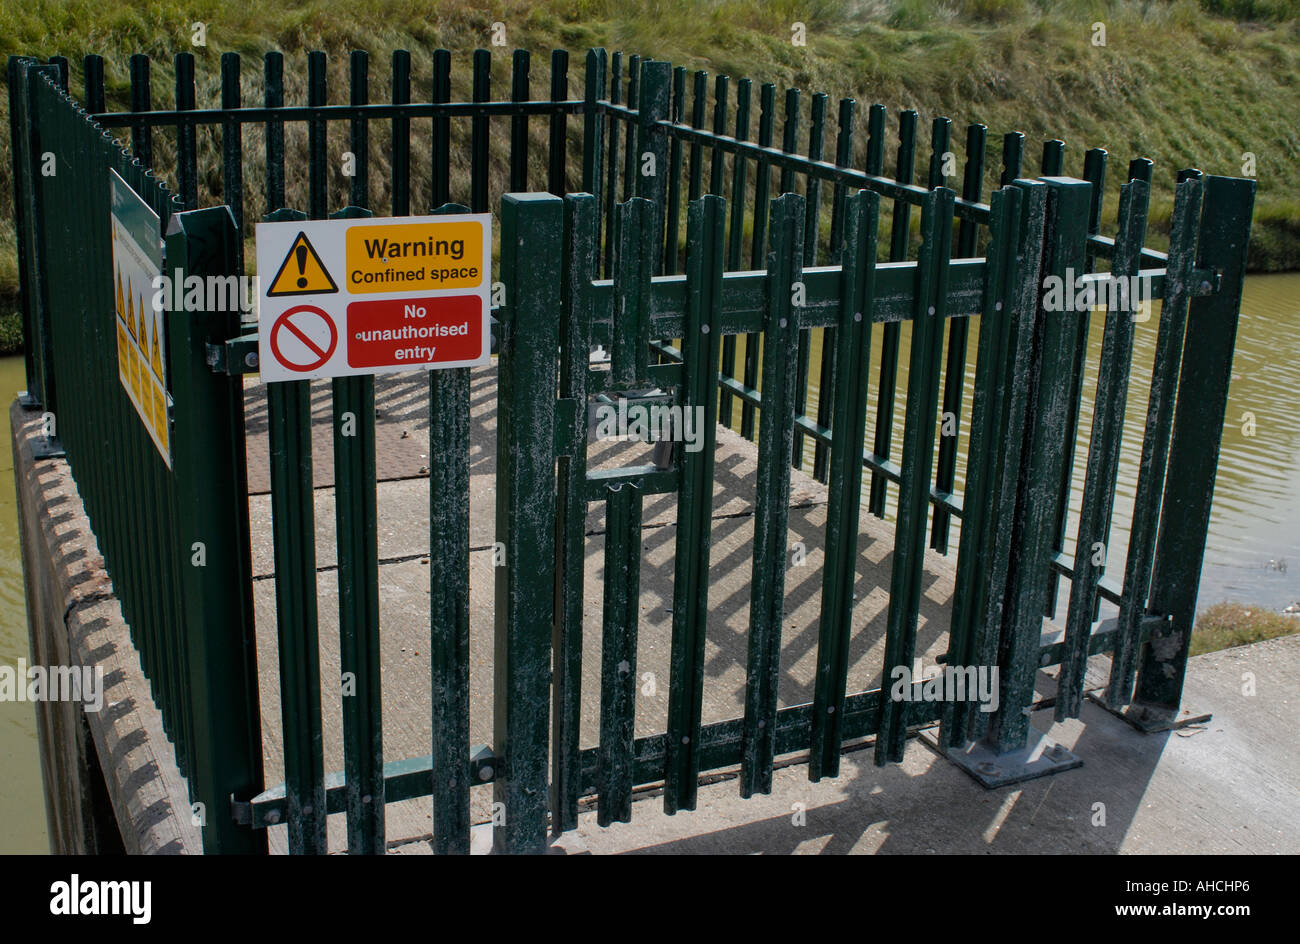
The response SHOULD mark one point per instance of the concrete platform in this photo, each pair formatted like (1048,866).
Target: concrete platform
(402,450)
(1197,790)
(1231,786)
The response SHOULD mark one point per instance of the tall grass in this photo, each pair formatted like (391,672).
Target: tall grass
(1182,82)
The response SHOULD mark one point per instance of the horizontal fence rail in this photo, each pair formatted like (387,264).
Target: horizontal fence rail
(708,237)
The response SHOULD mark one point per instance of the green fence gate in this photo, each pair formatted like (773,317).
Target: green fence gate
(634,249)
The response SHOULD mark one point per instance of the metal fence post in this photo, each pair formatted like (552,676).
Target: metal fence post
(593,133)
(532,237)
(652,147)
(212,537)
(19,132)
(1040,472)
(293,516)
(28,219)
(358,556)
(1037,356)
(1194,451)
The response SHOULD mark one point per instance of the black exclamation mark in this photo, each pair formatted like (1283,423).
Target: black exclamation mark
(301,253)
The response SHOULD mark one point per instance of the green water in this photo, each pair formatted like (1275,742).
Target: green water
(1253,551)
(1256,507)
(22,813)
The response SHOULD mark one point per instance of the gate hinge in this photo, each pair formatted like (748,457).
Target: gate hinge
(237,356)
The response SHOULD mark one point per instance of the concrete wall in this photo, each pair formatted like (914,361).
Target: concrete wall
(111,780)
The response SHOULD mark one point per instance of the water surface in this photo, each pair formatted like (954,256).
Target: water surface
(22,812)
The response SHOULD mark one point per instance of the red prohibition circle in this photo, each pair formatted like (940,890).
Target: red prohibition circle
(284,322)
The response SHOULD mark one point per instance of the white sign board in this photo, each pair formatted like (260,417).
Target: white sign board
(373,296)
(141,338)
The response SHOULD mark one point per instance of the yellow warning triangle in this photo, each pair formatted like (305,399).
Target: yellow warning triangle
(130,319)
(302,272)
(155,354)
(120,312)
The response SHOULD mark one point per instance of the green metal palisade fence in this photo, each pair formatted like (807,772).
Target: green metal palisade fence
(653,266)
(191,624)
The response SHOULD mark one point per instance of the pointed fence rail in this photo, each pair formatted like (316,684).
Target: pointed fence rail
(718,289)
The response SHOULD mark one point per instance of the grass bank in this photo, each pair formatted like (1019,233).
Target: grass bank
(1225,625)
(1184,83)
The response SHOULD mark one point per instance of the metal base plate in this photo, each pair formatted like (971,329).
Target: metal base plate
(27,401)
(1041,757)
(1152,720)
(43,448)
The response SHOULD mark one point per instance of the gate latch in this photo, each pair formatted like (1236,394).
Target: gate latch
(236,356)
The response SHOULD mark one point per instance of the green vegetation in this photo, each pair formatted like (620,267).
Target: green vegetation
(1182,82)
(11,333)
(1235,624)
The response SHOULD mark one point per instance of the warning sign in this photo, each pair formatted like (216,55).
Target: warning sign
(413,330)
(373,296)
(302,272)
(303,338)
(415,256)
(141,336)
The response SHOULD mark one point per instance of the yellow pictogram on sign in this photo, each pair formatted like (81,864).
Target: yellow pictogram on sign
(135,375)
(160,414)
(155,353)
(302,272)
